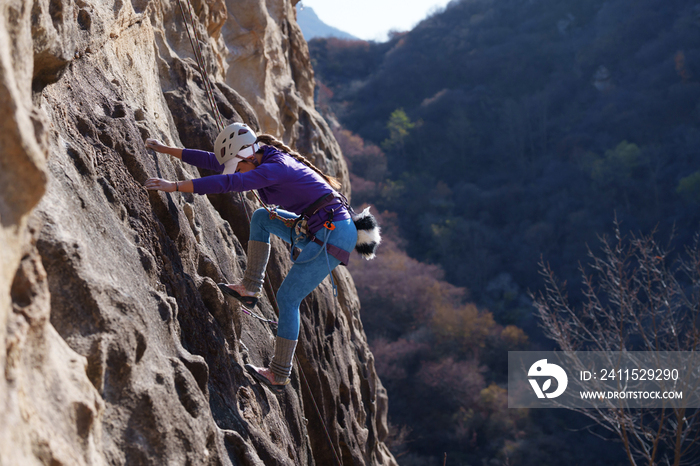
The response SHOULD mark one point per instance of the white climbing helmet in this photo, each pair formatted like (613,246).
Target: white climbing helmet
(230,141)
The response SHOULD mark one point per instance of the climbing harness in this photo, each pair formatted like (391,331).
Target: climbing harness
(197,50)
(300,230)
(288,222)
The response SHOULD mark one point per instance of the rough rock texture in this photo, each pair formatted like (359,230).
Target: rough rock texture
(118,346)
(278,83)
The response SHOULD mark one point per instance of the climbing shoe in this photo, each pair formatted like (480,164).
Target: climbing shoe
(248,301)
(277,388)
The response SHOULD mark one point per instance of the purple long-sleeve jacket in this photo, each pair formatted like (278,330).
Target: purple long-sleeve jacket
(280,180)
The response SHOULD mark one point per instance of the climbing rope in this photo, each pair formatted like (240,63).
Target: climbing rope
(318,412)
(259,317)
(196,41)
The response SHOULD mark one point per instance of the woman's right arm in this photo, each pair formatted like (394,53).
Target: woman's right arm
(198,158)
(158,146)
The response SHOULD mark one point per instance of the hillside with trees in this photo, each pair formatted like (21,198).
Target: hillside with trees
(443,359)
(518,130)
(496,136)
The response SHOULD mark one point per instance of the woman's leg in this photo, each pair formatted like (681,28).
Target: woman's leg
(301,280)
(261,226)
(304,276)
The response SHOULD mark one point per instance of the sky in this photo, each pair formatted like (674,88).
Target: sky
(373,19)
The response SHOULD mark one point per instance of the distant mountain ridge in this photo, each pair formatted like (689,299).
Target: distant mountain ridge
(312,26)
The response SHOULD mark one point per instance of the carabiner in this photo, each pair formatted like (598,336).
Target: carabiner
(329,225)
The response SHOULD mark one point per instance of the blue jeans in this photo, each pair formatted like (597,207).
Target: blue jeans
(304,276)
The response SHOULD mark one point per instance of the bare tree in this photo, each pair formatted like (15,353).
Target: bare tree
(637,297)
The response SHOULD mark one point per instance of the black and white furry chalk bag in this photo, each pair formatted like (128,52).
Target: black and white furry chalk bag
(368,234)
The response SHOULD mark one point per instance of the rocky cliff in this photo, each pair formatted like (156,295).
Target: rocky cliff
(118,346)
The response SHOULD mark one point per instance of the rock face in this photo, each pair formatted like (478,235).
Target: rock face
(118,346)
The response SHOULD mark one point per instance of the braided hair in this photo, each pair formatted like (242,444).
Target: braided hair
(270,140)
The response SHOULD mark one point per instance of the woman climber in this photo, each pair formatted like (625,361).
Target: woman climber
(284,178)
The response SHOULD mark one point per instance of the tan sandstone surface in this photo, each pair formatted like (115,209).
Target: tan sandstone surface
(117,346)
